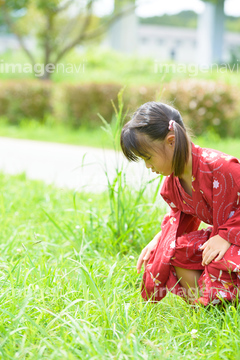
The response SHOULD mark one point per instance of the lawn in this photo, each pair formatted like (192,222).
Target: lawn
(32,130)
(69,287)
(99,65)
(96,137)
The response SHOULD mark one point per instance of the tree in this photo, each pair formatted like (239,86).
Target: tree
(58,25)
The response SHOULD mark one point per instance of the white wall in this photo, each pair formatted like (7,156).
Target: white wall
(160,41)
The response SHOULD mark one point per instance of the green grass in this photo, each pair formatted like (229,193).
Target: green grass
(32,130)
(96,137)
(69,287)
(100,65)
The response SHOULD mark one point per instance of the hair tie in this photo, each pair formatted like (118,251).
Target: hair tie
(170,126)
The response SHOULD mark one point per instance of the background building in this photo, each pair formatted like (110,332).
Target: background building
(179,44)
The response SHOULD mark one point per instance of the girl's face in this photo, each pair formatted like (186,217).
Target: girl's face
(160,154)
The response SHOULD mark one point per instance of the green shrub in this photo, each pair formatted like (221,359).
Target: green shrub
(84,102)
(25,99)
(135,96)
(206,106)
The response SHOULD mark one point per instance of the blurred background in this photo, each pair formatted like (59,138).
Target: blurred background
(63,62)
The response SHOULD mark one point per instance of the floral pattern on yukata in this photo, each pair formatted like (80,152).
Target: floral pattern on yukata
(215,200)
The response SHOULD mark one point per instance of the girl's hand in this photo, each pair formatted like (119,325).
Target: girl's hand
(215,246)
(145,254)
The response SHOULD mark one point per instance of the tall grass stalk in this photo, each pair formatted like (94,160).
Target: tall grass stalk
(127,206)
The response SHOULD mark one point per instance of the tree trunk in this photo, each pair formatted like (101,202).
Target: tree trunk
(210,34)
(122,34)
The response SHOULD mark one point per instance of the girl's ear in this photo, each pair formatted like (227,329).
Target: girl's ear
(170,140)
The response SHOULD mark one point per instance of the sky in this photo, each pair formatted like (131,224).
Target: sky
(159,7)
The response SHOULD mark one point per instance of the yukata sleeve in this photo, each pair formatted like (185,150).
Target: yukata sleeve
(226,200)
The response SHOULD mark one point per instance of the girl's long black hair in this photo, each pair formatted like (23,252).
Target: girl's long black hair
(152,119)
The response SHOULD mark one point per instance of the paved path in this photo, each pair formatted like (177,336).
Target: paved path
(66,166)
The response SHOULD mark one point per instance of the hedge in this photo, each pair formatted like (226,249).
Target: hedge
(83,103)
(204,105)
(25,99)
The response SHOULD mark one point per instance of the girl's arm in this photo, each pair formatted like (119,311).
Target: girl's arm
(145,254)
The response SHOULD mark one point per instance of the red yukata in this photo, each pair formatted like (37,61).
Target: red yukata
(215,200)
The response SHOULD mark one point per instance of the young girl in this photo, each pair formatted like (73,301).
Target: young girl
(200,185)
